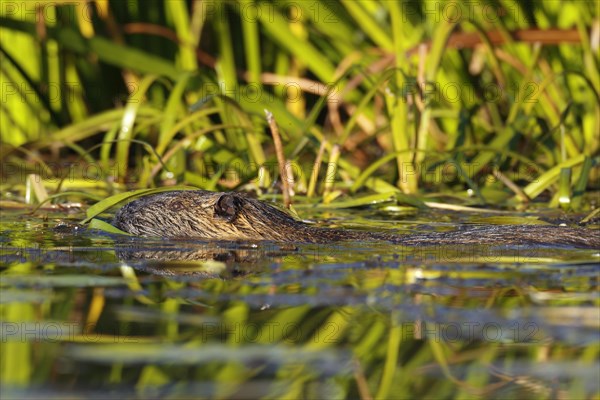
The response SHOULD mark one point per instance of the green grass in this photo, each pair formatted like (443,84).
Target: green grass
(199,100)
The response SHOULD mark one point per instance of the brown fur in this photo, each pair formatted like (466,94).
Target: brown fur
(233,216)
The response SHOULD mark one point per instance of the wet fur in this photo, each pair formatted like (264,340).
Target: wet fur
(233,216)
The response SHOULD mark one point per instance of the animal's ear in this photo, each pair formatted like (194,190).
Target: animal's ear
(228,206)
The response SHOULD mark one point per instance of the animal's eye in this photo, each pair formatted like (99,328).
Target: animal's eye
(227,206)
(176,206)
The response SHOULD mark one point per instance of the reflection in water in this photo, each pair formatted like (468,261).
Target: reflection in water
(248,320)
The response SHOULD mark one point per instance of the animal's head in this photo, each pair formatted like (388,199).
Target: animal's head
(207,215)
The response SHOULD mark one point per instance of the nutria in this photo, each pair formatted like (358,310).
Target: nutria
(233,216)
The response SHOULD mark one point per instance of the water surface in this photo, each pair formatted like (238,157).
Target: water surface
(93,315)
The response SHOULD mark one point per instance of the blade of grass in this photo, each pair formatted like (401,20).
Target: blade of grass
(276,27)
(172,109)
(100,225)
(500,142)
(181,21)
(107,142)
(564,188)
(433,64)
(251,46)
(369,25)
(390,368)
(397,113)
(113,201)
(376,184)
(544,181)
(129,118)
(581,184)
(91,126)
(122,56)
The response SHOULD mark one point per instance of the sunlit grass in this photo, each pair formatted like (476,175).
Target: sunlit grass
(399,111)
(538,102)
